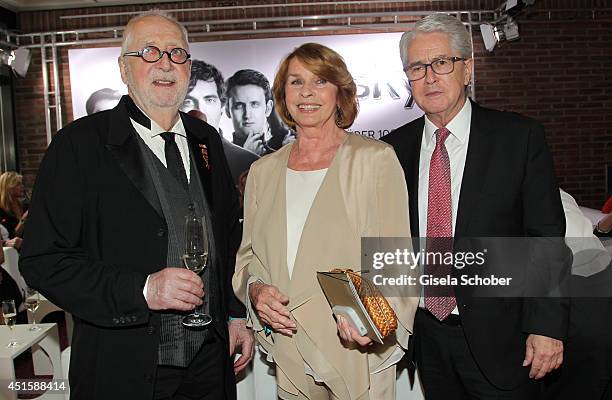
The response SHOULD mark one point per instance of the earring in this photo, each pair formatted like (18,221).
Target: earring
(338,117)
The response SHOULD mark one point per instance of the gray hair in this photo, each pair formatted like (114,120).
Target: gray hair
(151,13)
(460,38)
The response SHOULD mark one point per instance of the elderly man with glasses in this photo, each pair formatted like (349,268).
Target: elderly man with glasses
(475,172)
(107,232)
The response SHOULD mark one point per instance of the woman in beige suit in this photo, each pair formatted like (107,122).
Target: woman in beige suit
(307,206)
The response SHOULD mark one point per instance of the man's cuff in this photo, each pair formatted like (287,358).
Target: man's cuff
(146,286)
(602,231)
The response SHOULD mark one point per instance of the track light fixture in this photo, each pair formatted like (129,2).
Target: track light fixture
(492,35)
(18,59)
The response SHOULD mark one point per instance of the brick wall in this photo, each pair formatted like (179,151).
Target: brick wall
(558,72)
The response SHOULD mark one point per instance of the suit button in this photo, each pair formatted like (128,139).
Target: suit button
(161,232)
(150,330)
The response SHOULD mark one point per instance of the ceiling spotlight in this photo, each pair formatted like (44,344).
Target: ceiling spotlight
(511,31)
(496,34)
(18,59)
(489,36)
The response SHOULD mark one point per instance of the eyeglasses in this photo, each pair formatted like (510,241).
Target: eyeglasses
(153,54)
(441,66)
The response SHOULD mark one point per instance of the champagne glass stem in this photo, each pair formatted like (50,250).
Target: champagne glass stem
(34,326)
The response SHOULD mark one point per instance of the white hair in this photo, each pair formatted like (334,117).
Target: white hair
(460,38)
(127,32)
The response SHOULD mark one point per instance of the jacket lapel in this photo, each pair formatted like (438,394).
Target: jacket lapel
(476,164)
(270,225)
(408,150)
(123,145)
(411,160)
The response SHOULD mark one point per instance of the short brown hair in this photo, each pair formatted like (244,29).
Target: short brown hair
(327,64)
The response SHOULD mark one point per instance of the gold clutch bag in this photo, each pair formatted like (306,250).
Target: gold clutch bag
(376,305)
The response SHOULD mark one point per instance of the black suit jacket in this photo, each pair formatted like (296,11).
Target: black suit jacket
(96,231)
(238,159)
(508,190)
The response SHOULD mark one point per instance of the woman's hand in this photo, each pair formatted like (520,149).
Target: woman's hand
(14,242)
(271,307)
(349,334)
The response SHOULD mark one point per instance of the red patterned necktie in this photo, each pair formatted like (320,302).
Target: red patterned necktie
(439,300)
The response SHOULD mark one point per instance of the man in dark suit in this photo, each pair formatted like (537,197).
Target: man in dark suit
(206,94)
(474,172)
(106,235)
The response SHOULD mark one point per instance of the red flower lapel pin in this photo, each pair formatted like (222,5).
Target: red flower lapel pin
(204,152)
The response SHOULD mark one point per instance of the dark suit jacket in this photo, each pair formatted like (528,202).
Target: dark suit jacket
(508,190)
(238,159)
(96,230)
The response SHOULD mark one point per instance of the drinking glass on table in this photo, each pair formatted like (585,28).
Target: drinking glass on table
(195,258)
(9,313)
(32,302)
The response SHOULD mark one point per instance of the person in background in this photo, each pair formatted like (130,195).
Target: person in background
(307,206)
(586,373)
(4,234)
(103,99)
(13,214)
(604,226)
(475,172)
(135,172)
(206,99)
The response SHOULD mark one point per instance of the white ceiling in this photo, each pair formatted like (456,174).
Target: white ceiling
(29,5)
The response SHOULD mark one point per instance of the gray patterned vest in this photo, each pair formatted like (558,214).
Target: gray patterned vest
(179,344)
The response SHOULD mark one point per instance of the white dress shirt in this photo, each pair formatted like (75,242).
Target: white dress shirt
(152,138)
(456,146)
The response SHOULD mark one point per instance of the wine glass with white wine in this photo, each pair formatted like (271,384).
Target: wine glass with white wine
(195,258)
(9,313)
(32,302)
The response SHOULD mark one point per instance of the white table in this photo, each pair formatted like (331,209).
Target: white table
(47,338)
(42,366)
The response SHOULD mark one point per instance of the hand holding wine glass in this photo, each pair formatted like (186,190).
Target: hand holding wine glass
(195,258)
(32,302)
(9,313)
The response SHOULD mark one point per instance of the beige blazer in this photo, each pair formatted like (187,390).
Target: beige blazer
(363,194)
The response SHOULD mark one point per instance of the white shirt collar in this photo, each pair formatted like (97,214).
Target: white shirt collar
(155,130)
(459,126)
